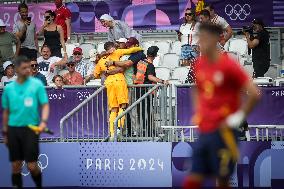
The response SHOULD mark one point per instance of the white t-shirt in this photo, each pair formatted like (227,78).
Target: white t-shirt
(44,67)
(218,20)
(5,80)
(189,34)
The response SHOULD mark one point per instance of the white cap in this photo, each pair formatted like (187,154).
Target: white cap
(92,55)
(2,24)
(6,64)
(106,17)
(122,40)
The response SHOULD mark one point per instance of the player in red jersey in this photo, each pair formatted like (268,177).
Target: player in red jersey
(63,18)
(220,86)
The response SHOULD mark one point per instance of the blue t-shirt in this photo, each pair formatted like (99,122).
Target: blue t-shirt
(23,101)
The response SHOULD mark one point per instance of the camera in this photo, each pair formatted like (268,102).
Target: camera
(248,29)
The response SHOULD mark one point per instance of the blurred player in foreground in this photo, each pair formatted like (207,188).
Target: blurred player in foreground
(20,101)
(220,86)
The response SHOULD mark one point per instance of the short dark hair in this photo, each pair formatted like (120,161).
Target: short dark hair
(108,45)
(211,28)
(193,12)
(54,78)
(45,46)
(152,51)
(22,6)
(205,13)
(52,13)
(20,60)
(211,7)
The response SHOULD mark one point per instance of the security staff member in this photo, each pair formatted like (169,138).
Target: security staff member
(260,48)
(20,102)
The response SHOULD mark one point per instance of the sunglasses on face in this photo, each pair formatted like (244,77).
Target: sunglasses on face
(77,54)
(47,18)
(34,65)
(188,14)
(70,65)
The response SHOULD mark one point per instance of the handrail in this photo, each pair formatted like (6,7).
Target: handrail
(131,107)
(76,109)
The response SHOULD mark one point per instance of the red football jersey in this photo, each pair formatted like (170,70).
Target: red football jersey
(62,14)
(219,85)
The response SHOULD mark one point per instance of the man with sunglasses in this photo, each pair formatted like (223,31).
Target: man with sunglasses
(35,73)
(25,30)
(72,77)
(49,65)
(82,66)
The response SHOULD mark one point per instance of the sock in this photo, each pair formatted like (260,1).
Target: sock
(37,179)
(112,117)
(17,180)
(191,184)
(122,120)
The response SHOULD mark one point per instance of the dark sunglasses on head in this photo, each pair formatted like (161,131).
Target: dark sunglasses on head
(189,14)
(77,53)
(46,18)
(34,65)
(70,65)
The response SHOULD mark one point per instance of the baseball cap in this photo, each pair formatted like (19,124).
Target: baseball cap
(122,40)
(106,17)
(258,21)
(132,41)
(78,49)
(152,51)
(2,24)
(6,64)
(92,55)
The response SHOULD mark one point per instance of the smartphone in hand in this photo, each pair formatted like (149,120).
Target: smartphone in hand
(29,19)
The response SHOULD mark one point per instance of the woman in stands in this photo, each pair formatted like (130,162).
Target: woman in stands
(53,35)
(188,36)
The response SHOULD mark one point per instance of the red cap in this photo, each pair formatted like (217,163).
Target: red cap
(78,49)
(132,41)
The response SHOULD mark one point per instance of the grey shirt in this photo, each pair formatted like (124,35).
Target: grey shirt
(7,40)
(30,34)
(122,30)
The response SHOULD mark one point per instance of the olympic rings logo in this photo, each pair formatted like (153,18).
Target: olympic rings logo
(238,11)
(42,163)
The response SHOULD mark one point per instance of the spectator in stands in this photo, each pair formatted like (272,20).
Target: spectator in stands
(82,65)
(49,65)
(58,81)
(63,19)
(260,48)
(53,35)
(204,16)
(35,73)
(25,30)
(188,35)
(72,77)
(7,40)
(144,73)
(118,29)
(122,43)
(9,73)
(216,19)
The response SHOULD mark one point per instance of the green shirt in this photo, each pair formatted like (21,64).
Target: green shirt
(7,40)
(23,101)
(128,73)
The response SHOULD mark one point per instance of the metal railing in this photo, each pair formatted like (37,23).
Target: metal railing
(88,121)
(145,116)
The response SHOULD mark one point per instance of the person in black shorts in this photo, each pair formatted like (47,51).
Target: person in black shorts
(20,102)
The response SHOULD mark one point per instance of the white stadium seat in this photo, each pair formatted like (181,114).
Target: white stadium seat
(180,73)
(70,47)
(146,45)
(263,81)
(249,69)
(163,73)
(158,60)
(86,47)
(176,47)
(239,45)
(170,60)
(95,82)
(164,46)
(273,71)
(278,81)
(100,47)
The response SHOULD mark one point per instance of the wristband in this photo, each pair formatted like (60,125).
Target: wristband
(235,120)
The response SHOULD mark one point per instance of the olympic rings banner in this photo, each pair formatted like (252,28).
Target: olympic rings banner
(142,164)
(152,14)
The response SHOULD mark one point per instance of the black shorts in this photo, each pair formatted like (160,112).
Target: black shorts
(23,144)
(29,53)
(211,156)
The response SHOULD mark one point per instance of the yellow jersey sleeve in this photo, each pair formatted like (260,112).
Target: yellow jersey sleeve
(121,52)
(99,68)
